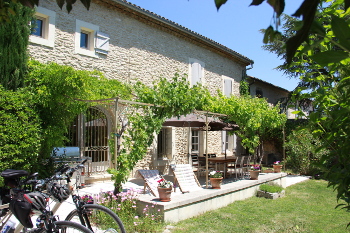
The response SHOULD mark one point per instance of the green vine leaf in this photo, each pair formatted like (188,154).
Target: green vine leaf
(328,57)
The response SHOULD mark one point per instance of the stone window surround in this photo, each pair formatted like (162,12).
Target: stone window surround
(89,28)
(49,20)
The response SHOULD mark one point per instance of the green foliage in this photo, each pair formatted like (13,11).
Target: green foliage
(59,92)
(271,188)
(20,130)
(323,67)
(302,155)
(254,116)
(35,119)
(330,93)
(13,47)
(243,88)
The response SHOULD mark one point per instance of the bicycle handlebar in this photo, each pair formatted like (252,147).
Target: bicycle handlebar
(64,172)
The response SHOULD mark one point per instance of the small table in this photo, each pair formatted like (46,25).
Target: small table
(228,159)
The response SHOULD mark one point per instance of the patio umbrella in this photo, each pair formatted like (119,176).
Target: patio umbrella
(189,120)
(198,122)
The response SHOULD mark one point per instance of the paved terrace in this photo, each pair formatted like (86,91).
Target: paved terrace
(186,205)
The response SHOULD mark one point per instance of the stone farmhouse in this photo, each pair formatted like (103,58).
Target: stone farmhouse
(273,94)
(129,43)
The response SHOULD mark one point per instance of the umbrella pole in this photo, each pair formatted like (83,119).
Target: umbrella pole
(206,150)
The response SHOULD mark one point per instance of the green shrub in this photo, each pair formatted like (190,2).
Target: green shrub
(271,188)
(20,130)
(302,154)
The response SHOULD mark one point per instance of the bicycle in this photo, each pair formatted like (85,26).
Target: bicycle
(96,217)
(24,204)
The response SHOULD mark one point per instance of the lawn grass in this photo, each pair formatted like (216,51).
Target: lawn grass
(307,207)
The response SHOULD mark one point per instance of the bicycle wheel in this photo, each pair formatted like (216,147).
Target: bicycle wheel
(100,218)
(63,227)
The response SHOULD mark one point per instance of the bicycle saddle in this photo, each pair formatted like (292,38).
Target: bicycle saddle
(12,173)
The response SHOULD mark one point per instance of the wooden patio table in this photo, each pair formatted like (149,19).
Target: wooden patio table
(224,160)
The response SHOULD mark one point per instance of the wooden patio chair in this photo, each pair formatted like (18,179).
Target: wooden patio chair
(235,166)
(151,178)
(197,165)
(246,165)
(185,178)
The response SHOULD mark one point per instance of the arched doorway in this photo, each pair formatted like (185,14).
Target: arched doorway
(90,132)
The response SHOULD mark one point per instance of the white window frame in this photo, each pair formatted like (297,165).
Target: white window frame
(224,78)
(200,73)
(91,30)
(198,136)
(49,20)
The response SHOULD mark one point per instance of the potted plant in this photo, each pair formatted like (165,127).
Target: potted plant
(254,171)
(277,166)
(215,179)
(164,189)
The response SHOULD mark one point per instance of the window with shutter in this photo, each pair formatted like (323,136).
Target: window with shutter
(102,43)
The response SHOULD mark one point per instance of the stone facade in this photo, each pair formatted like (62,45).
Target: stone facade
(142,47)
(137,51)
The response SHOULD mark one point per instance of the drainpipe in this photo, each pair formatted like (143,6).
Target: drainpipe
(244,72)
(206,150)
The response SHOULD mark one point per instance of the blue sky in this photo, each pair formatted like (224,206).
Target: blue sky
(236,25)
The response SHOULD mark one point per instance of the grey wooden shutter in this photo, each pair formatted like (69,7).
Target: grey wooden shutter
(196,73)
(169,142)
(102,43)
(227,87)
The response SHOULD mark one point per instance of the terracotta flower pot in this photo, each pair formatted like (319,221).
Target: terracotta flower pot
(277,168)
(216,183)
(254,174)
(164,194)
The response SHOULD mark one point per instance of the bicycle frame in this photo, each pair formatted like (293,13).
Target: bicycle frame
(79,205)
